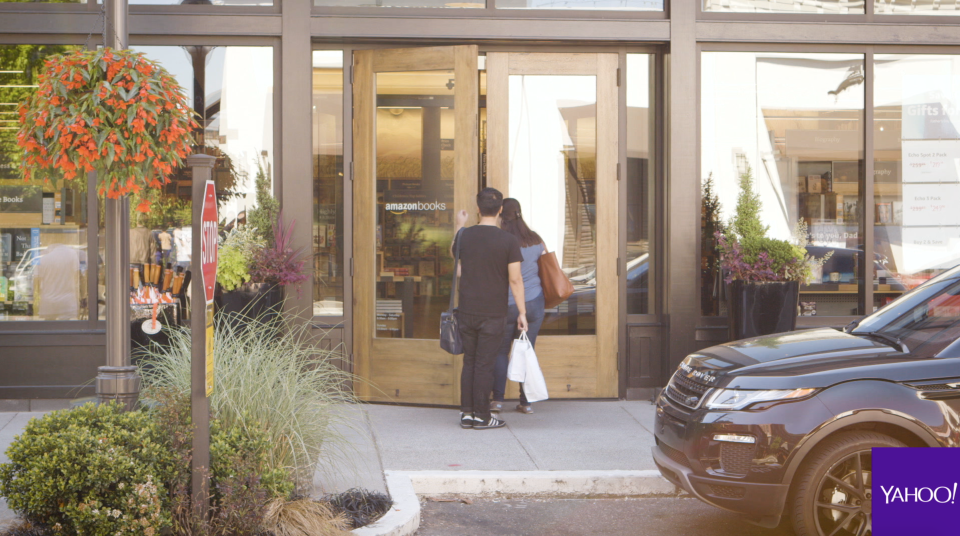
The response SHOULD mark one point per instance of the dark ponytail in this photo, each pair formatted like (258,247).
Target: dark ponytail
(513,223)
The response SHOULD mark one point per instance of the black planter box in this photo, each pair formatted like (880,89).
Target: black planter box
(249,301)
(755,309)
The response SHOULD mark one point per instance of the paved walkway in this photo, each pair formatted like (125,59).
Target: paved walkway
(560,436)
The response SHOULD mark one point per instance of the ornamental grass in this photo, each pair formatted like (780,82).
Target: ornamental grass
(273,375)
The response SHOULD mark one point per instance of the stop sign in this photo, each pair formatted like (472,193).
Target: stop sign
(208,240)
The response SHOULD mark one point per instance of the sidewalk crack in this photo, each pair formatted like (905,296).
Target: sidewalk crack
(524,447)
(376,446)
(632,416)
(6,424)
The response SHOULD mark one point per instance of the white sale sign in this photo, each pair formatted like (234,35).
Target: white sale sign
(931,161)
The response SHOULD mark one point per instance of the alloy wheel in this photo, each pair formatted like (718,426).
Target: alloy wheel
(844,498)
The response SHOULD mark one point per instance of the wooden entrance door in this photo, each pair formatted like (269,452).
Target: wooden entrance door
(551,142)
(416,163)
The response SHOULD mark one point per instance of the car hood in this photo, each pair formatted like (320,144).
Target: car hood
(797,359)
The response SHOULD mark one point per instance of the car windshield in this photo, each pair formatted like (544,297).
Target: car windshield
(906,302)
(926,320)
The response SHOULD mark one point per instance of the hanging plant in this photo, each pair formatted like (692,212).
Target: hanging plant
(110,111)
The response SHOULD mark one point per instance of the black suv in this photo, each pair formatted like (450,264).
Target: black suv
(781,426)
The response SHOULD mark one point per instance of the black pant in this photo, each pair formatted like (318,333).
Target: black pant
(481,336)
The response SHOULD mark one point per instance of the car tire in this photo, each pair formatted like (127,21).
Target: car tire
(832,487)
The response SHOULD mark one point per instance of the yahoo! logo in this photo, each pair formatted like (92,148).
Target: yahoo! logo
(916,491)
(920,495)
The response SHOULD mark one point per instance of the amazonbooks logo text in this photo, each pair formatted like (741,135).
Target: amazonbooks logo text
(419,206)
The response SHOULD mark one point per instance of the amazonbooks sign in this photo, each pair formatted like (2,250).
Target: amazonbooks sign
(915,491)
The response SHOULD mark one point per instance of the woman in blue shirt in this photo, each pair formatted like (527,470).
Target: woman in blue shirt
(531,246)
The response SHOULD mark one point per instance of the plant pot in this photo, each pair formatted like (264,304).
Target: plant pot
(755,309)
(250,300)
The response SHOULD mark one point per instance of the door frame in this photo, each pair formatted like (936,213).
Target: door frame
(603,346)
(462,59)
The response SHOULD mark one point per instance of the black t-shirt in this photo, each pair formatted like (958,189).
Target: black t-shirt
(485,252)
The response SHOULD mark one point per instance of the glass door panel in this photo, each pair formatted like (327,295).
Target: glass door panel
(415,183)
(553,173)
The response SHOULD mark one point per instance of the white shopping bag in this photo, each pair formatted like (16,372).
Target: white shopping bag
(517,370)
(525,368)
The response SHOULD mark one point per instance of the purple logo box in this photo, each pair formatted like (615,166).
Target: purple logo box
(914,491)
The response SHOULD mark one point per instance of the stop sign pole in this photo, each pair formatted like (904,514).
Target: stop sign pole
(204,266)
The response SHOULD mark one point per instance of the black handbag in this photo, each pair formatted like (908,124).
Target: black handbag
(449,325)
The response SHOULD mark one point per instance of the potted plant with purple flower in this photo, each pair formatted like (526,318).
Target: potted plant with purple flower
(257,259)
(762,274)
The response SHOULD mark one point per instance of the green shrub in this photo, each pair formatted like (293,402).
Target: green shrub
(234,257)
(92,470)
(271,377)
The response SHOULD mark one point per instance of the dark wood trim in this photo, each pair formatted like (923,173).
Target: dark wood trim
(295,140)
(682,218)
(490,12)
(466,29)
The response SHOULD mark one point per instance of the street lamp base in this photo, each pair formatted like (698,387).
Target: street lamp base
(118,383)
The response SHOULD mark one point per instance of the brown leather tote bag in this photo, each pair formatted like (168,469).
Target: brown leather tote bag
(556,285)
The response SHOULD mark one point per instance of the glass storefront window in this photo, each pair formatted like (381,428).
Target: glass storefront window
(328,183)
(916,133)
(231,89)
(827,7)
(794,121)
(400,3)
(917,7)
(640,182)
(612,5)
(43,230)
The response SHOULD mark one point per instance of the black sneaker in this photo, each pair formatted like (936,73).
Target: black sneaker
(489,424)
(467,420)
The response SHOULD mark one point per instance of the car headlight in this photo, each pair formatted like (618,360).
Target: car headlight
(735,399)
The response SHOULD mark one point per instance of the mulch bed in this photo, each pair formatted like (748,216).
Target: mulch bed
(361,507)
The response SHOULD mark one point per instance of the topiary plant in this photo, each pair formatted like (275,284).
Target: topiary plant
(92,470)
(748,254)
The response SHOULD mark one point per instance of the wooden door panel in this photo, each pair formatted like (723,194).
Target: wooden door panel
(405,370)
(575,366)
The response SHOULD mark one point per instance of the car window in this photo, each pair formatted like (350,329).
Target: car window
(906,303)
(931,325)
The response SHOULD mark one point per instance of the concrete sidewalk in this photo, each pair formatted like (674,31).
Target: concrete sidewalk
(561,435)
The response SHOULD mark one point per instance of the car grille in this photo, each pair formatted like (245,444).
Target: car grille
(727,492)
(675,454)
(736,458)
(685,391)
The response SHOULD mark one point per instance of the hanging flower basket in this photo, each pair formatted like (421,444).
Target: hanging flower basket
(110,111)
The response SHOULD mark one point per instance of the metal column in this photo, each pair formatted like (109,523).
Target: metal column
(118,380)
(202,166)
